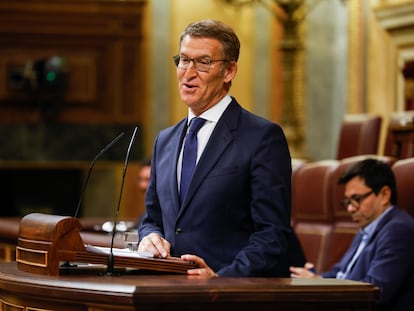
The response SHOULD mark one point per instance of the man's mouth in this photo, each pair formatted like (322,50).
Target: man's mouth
(355,218)
(189,86)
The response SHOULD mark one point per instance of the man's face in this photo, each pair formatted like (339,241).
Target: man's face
(370,207)
(144,177)
(202,90)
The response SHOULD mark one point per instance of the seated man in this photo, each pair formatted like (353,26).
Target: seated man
(144,175)
(382,253)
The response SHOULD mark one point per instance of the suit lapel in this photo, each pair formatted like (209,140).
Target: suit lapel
(352,249)
(175,147)
(221,137)
(381,224)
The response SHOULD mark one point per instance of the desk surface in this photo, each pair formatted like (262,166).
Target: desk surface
(137,291)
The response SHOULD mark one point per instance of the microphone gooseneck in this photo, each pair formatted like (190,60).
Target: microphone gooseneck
(85,183)
(110,268)
(113,141)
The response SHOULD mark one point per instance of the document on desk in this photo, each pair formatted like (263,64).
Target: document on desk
(121,252)
(133,259)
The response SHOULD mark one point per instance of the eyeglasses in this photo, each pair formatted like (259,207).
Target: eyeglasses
(355,199)
(202,64)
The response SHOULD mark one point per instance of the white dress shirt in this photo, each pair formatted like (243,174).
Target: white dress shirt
(211,116)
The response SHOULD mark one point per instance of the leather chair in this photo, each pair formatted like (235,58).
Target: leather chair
(296,165)
(311,209)
(341,237)
(404,174)
(315,239)
(310,191)
(359,134)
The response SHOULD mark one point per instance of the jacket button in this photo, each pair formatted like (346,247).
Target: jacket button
(178,231)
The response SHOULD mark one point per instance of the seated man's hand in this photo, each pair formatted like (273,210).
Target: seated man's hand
(204,271)
(155,244)
(307,271)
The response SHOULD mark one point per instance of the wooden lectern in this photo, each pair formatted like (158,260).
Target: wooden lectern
(45,241)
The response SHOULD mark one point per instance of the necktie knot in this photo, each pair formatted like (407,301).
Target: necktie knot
(195,125)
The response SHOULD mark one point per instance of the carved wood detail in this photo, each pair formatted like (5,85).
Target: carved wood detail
(101,41)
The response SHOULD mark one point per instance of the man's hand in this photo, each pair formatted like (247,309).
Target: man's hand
(306,271)
(204,271)
(155,244)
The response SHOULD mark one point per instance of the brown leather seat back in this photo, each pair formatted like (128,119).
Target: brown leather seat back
(315,239)
(404,175)
(341,237)
(311,187)
(359,134)
(311,207)
(296,165)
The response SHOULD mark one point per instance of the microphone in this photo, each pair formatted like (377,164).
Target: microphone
(110,268)
(85,183)
(113,141)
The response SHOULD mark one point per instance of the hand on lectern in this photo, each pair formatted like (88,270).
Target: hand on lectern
(156,245)
(204,271)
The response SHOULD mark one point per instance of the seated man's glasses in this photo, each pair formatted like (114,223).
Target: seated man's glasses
(202,64)
(355,199)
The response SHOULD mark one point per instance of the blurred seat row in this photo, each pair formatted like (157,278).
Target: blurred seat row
(361,134)
(322,225)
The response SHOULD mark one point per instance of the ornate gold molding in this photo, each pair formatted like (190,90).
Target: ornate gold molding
(398,21)
(356,61)
(394,16)
(293,58)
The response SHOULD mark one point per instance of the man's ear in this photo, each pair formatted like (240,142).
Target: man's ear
(230,71)
(385,193)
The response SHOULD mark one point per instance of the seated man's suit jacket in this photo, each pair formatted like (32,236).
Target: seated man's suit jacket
(387,261)
(236,214)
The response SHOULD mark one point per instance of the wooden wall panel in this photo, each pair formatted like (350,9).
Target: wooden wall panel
(101,41)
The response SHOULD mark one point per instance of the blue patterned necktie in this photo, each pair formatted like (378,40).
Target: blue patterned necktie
(189,155)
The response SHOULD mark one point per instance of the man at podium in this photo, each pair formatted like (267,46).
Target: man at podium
(231,213)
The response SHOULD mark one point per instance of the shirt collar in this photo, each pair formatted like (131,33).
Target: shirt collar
(214,113)
(370,228)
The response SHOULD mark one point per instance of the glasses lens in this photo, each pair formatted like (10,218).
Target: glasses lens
(176,59)
(199,64)
(355,200)
(202,64)
(182,62)
(345,202)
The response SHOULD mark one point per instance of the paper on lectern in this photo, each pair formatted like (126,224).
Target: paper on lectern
(123,252)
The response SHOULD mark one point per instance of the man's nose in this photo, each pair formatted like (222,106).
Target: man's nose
(351,208)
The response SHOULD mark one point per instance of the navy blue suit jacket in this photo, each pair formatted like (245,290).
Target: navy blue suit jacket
(387,261)
(236,214)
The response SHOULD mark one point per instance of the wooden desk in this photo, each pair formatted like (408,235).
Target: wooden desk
(89,291)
